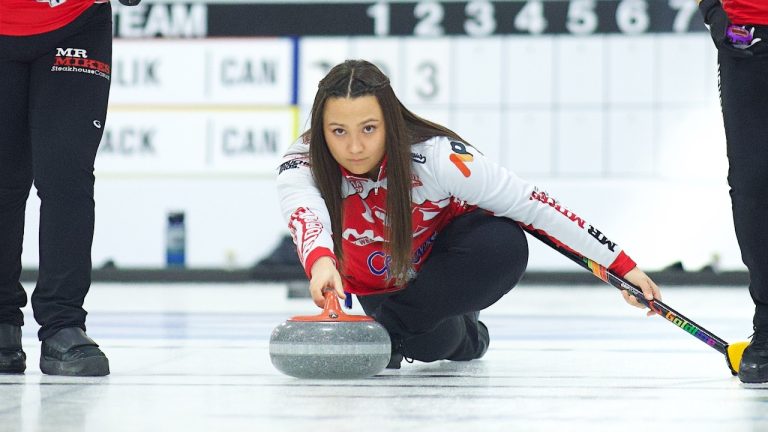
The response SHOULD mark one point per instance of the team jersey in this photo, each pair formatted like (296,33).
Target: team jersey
(30,17)
(744,12)
(449,178)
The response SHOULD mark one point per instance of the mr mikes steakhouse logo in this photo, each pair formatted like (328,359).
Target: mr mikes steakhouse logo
(76,60)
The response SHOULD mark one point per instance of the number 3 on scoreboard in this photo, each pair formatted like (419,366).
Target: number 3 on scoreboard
(427,88)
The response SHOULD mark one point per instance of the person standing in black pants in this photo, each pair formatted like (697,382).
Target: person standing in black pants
(739,29)
(55,64)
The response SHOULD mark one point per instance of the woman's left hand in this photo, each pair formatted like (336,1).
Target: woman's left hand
(641,280)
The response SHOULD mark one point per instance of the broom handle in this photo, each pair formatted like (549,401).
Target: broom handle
(657,306)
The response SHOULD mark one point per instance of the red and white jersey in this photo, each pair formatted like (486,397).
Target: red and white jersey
(745,12)
(30,17)
(449,179)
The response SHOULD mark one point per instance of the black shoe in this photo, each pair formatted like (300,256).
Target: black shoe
(754,362)
(395,360)
(484,338)
(71,352)
(475,344)
(12,357)
(397,354)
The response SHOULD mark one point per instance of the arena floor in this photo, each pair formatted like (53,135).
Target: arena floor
(195,358)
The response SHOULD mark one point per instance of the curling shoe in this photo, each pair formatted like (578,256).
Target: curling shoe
(71,352)
(394,361)
(484,339)
(396,358)
(476,341)
(754,363)
(12,357)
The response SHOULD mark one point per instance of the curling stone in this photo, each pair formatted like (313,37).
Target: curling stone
(331,345)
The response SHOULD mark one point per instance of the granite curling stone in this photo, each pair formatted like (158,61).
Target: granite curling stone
(331,345)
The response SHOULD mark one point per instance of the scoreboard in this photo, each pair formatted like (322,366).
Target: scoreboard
(477,18)
(587,98)
(222,88)
(199,107)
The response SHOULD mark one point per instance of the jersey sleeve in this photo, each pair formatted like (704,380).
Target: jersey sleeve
(303,207)
(467,175)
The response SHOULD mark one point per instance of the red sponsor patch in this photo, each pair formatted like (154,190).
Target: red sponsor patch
(305,228)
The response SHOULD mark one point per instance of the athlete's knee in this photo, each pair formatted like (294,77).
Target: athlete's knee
(15,193)
(508,255)
(72,185)
(748,183)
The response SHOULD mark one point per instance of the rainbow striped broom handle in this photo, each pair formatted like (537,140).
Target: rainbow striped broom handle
(671,315)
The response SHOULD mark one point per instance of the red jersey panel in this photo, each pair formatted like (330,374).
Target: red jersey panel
(448,179)
(744,12)
(31,17)
(367,266)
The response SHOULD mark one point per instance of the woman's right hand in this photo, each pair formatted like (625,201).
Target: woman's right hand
(325,275)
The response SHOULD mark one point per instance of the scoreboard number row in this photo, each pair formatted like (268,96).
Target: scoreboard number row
(582,17)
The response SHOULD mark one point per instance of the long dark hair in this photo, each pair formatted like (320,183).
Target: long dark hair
(352,79)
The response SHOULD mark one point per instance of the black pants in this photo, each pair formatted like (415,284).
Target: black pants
(744,98)
(54,89)
(475,261)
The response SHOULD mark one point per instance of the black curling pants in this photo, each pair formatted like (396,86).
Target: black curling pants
(54,89)
(744,99)
(475,261)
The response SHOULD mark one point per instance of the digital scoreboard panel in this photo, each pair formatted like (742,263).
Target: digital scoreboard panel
(550,88)
(403,18)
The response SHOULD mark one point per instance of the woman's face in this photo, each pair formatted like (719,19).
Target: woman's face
(354,131)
